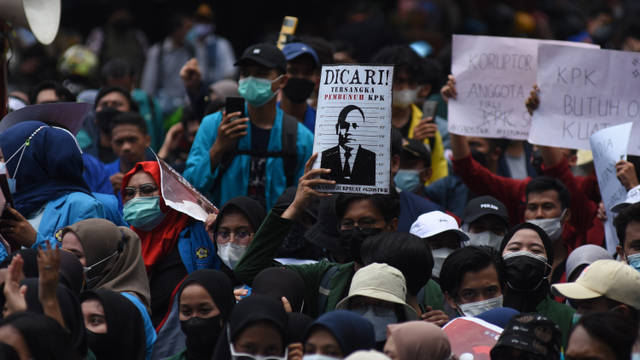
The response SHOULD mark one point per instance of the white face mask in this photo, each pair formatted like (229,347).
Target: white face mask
(478,307)
(230,253)
(438,259)
(318,357)
(487,238)
(552,227)
(404,98)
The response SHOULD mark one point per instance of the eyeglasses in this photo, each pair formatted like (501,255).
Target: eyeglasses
(144,190)
(377,310)
(362,223)
(242,237)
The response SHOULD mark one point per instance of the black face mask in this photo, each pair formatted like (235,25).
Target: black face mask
(101,346)
(202,331)
(104,117)
(525,271)
(352,240)
(298,89)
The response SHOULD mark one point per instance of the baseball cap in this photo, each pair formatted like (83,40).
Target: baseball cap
(266,55)
(633,196)
(417,149)
(379,281)
(485,205)
(294,50)
(532,333)
(434,223)
(609,278)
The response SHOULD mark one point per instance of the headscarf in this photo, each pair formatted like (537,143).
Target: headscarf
(123,272)
(527,301)
(585,255)
(416,340)
(125,338)
(298,325)
(69,307)
(71,272)
(220,289)
(30,257)
(249,311)
(158,242)
(352,331)
(277,282)
(367,355)
(51,165)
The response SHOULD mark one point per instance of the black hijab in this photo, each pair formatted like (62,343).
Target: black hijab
(30,257)
(277,282)
(220,288)
(297,327)
(125,338)
(249,311)
(71,272)
(528,301)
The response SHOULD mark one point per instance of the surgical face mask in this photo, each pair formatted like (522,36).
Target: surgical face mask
(408,180)
(552,227)
(404,98)
(634,261)
(525,270)
(486,238)
(478,307)
(11,182)
(257,91)
(318,357)
(298,89)
(438,259)
(143,213)
(575,319)
(380,318)
(230,253)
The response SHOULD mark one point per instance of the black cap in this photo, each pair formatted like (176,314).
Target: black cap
(532,333)
(287,197)
(266,55)
(396,143)
(417,149)
(485,205)
(324,233)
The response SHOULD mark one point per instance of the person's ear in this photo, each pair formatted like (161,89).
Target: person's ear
(283,81)
(147,140)
(620,252)
(395,164)
(450,300)
(425,175)
(624,309)
(567,216)
(393,224)
(495,154)
(572,160)
(424,91)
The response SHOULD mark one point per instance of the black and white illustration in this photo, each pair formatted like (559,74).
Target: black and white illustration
(353,127)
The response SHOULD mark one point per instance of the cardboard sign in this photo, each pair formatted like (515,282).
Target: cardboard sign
(353,128)
(494,76)
(608,147)
(470,335)
(583,91)
(67,115)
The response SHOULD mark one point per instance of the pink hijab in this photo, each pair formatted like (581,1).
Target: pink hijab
(420,340)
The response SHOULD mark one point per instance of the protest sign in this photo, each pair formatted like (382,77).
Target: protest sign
(494,76)
(583,91)
(67,115)
(180,195)
(353,128)
(608,147)
(469,335)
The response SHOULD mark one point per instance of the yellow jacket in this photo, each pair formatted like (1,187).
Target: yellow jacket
(438,162)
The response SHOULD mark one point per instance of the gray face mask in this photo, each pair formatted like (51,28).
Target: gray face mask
(380,318)
(552,227)
(486,238)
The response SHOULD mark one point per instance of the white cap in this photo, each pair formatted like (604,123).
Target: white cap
(434,223)
(633,196)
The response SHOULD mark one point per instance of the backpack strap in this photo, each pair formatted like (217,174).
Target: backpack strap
(325,289)
(420,295)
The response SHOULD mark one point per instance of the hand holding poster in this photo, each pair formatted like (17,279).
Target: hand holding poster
(608,147)
(353,128)
(494,76)
(583,91)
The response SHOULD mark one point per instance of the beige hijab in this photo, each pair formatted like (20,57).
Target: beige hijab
(122,272)
(418,340)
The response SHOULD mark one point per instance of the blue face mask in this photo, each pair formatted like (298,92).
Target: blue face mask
(379,317)
(634,261)
(143,213)
(12,185)
(408,180)
(256,91)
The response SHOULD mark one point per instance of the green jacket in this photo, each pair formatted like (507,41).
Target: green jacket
(560,314)
(262,252)
(179,356)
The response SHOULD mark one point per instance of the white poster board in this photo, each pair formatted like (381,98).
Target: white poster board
(583,91)
(494,76)
(353,128)
(608,147)
(68,115)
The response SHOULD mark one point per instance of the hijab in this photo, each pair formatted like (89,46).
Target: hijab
(416,340)
(125,338)
(51,166)
(220,289)
(71,272)
(123,272)
(585,255)
(297,326)
(277,282)
(527,301)
(159,241)
(352,331)
(30,257)
(249,311)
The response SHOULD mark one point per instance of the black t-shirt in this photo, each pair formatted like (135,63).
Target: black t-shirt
(257,176)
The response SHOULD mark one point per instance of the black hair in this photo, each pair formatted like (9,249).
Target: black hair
(611,328)
(62,92)
(388,205)
(129,118)
(404,251)
(625,216)
(117,68)
(175,22)
(8,353)
(105,90)
(422,71)
(545,183)
(324,49)
(44,336)
(470,259)
(189,116)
